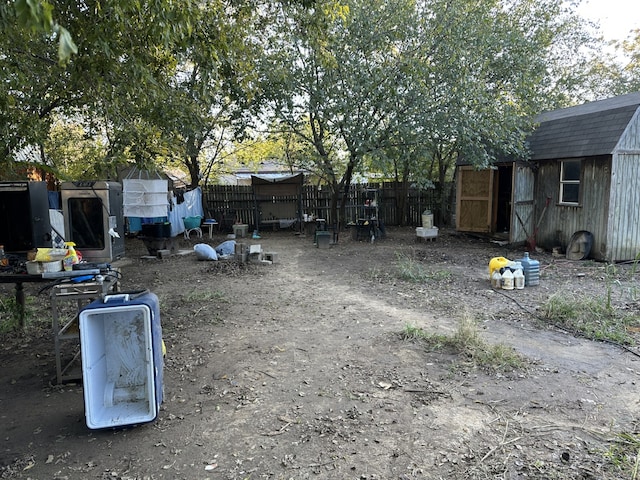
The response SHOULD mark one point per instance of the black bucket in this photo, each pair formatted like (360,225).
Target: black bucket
(156,230)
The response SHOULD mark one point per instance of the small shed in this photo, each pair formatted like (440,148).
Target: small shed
(583,174)
(278,201)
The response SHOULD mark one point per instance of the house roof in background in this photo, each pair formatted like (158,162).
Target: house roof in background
(266,169)
(296,179)
(590,129)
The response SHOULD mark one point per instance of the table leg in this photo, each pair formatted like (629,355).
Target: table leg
(20,303)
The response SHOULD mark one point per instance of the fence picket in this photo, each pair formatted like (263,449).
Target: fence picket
(231,204)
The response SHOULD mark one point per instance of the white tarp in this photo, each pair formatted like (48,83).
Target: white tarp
(190,207)
(145,198)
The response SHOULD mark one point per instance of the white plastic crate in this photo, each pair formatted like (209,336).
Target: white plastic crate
(427,232)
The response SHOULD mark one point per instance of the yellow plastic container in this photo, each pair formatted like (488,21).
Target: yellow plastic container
(496,263)
(71,258)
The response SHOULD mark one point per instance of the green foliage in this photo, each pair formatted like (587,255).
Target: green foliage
(411,86)
(10,313)
(116,80)
(37,16)
(209,99)
(630,73)
(467,343)
(412,270)
(624,454)
(73,153)
(591,316)
(396,86)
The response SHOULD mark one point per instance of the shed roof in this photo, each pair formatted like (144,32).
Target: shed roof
(590,129)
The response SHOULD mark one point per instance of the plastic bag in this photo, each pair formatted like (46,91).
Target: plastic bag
(226,248)
(205,252)
(50,254)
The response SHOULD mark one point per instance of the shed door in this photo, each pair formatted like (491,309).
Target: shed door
(522,221)
(475,197)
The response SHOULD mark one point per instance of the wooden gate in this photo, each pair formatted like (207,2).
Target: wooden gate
(475,199)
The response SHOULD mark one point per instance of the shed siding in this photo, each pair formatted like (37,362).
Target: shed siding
(523,199)
(561,221)
(624,212)
(630,140)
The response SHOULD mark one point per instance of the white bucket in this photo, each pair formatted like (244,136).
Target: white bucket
(427,220)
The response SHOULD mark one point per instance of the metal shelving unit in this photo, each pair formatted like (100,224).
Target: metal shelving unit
(367,223)
(67,299)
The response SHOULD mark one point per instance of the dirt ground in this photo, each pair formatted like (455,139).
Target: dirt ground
(299,369)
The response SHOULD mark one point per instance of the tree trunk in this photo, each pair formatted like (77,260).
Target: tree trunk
(445,161)
(344,185)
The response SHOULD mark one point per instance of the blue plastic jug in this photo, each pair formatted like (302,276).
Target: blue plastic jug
(531,270)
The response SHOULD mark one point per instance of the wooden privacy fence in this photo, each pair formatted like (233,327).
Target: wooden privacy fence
(231,204)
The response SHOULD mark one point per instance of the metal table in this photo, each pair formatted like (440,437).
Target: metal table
(20,279)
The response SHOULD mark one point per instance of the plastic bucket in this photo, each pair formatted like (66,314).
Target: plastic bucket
(191,222)
(427,220)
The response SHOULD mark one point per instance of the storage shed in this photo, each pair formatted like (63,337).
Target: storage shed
(583,174)
(278,201)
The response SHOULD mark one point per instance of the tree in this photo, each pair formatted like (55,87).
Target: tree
(73,154)
(446,79)
(327,75)
(122,64)
(631,71)
(37,15)
(615,72)
(209,97)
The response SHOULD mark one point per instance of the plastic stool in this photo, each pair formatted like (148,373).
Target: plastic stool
(198,230)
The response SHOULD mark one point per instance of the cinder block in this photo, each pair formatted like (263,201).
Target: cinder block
(256,257)
(272,256)
(164,253)
(323,239)
(255,253)
(240,230)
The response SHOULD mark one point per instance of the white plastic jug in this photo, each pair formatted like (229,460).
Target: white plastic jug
(496,279)
(507,279)
(518,277)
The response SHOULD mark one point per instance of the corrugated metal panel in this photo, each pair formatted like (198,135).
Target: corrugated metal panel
(623,235)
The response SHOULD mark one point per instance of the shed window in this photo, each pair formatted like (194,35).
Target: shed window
(570,181)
